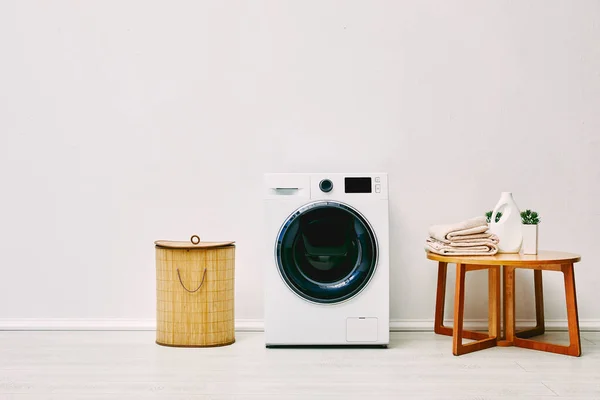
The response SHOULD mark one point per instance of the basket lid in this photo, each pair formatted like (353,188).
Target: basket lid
(193,243)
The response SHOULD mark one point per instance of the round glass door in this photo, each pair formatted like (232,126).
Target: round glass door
(326,252)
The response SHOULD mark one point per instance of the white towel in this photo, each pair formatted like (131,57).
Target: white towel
(477,238)
(483,248)
(451,232)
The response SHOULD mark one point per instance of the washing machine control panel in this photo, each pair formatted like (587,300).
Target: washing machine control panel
(351,186)
(318,186)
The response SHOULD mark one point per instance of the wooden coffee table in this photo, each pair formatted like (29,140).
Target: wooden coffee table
(543,261)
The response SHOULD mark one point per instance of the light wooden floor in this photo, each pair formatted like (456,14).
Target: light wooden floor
(128,365)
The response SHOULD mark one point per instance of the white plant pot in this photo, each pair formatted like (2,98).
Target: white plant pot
(530,239)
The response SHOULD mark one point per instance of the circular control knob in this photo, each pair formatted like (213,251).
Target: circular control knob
(326,185)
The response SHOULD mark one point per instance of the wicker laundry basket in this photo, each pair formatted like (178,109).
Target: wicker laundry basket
(194,293)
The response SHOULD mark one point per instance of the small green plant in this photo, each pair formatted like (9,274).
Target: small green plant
(488,216)
(529,217)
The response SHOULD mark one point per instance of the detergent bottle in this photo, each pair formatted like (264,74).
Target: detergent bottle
(509,227)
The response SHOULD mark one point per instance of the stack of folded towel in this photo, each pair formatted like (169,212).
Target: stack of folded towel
(466,238)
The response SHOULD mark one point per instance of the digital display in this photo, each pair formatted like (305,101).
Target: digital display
(357,185)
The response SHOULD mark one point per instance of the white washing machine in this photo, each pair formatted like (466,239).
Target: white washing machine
(327,259)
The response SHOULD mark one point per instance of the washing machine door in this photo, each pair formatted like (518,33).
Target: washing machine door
(326,252)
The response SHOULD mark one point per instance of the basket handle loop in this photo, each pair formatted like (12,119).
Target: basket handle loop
(195,290)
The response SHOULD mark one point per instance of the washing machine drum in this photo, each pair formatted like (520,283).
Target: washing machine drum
(326,252)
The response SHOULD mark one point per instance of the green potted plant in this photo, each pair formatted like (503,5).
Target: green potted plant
(530,220)
(488,216)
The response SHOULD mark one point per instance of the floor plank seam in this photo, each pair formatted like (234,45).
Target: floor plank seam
(521,366)
(549,388)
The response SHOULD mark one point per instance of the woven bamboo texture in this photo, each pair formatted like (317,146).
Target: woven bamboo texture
(195,318)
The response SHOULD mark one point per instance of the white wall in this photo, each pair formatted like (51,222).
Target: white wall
(126,122)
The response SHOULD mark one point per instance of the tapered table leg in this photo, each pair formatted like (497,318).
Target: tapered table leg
(484,341)
(440,300)
(508,300)
(494,302)
(540,327)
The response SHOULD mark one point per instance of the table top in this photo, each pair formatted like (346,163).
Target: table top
(515,259)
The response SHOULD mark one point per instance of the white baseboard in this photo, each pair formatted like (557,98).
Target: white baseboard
(245,325)
(77,324)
